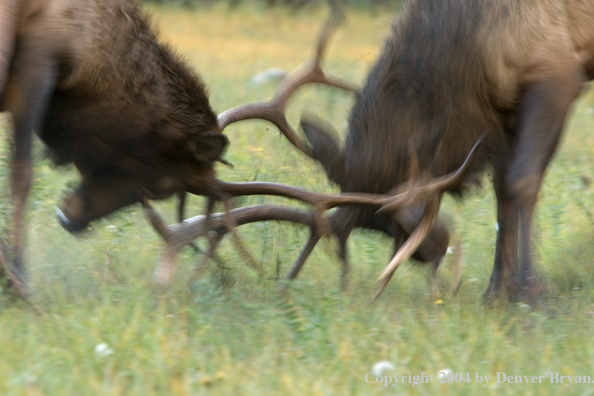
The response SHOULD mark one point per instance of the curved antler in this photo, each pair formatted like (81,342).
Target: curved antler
(411,244)
(308,72)
(441,183)
(184,233)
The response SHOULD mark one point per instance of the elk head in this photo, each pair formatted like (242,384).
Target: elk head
(102,191)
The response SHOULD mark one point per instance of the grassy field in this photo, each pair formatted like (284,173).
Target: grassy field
(98,326)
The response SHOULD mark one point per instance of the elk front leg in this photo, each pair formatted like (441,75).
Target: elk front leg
(542,114)
(26,97)
(343,222)
(309,246)
(345,267)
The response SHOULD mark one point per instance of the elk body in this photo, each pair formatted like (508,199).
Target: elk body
(92,81)
(450,71)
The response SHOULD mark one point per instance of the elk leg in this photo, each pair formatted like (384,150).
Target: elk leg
(314,237)
(181,206)
(208,211)
(542,114)
(343,221)
(230,224)
(505,268)
(26,97)
(344,261)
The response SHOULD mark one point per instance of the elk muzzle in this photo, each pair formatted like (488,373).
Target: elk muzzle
(91,201)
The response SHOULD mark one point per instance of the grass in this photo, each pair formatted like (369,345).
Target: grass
(98,326)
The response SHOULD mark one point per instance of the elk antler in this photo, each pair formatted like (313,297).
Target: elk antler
(438,184)
(308,72)
(431,193)
(177,236)
(411,244)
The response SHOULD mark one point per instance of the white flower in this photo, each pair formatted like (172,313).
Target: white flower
(450,250)
(103,350)
(444,373)
(381,367)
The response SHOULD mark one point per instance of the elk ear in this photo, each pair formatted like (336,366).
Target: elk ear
(209,146)
(324,140)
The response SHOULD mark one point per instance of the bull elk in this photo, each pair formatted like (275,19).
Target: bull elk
(92,81)
(450,72)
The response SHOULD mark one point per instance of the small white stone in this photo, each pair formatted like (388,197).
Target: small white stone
(103,350)
(381,367)
(444,373)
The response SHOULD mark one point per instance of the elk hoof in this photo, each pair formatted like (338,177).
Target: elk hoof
(67,224)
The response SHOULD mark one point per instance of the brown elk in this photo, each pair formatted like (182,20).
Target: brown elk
(92,81)
(450,71)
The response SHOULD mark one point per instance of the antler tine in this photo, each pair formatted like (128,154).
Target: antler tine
(308,72)
(230,225)
(213,242)
(454,178)
(156,220)
(165,265)
(382,286)
(412,243)
(335,19)
(436,185)
(401,199)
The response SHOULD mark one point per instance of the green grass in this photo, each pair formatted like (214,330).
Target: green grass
(231,333)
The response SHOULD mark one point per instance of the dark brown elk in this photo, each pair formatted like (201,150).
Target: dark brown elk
(92,81)
(450,72)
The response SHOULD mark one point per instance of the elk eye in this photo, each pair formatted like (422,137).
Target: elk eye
(210,146)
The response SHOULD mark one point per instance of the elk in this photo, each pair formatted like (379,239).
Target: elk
(91,79)
(450,72)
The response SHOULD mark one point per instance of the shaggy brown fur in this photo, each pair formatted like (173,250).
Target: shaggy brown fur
(91,79)
(450,71)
